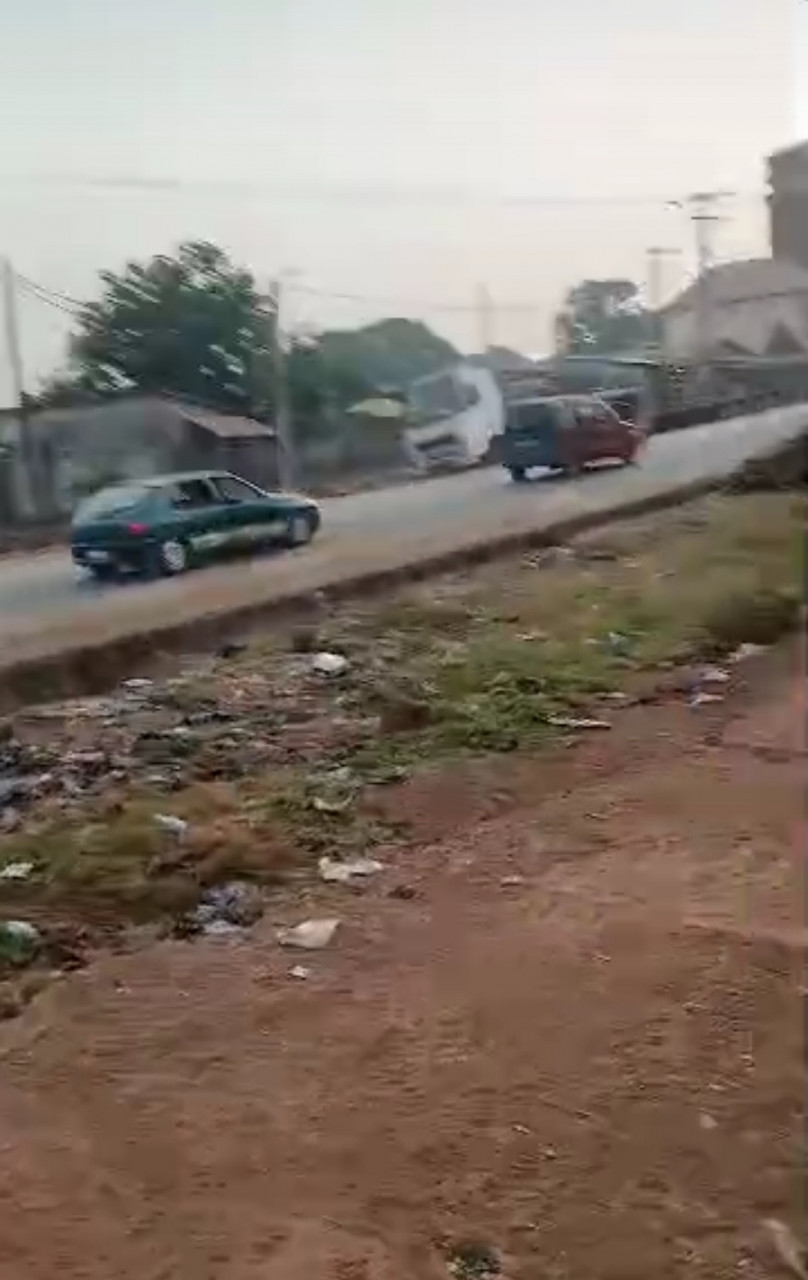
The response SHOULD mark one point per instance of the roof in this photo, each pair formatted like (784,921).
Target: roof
(227,426)
(744,281)
(794,149)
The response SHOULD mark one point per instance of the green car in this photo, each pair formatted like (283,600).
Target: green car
(167,524)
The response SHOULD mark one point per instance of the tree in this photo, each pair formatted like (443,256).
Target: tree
(191,325)
(602,317)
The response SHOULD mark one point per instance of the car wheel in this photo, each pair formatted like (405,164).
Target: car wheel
(518,474)
(298,530)
(173,557)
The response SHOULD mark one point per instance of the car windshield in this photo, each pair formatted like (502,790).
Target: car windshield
(111,502)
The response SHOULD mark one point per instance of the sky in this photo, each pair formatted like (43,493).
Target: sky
(401,153)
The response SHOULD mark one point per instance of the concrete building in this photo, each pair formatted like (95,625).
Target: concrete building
(788,204)
(757,307)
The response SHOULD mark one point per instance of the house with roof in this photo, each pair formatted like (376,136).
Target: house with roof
(756,307)
(133,436)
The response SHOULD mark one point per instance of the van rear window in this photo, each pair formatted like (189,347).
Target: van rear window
(533,417)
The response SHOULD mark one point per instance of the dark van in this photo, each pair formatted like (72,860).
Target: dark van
(566,433)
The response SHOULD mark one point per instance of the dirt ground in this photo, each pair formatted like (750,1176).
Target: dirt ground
(560,1035)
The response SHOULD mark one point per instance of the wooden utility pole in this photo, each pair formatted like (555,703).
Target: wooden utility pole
(25,485)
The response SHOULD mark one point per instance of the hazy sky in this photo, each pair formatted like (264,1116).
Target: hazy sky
(403,150)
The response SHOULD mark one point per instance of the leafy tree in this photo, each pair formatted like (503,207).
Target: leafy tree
(192,325)
(602,317)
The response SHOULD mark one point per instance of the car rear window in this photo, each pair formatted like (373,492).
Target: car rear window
(109,503)
(532,417)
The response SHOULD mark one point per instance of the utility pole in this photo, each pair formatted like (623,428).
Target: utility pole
(655,256)
(25,471)
(287,461)
(702,208)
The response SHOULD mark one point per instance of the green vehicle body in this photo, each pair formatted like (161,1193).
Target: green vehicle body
(167,524)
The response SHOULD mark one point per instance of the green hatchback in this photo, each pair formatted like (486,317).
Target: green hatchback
(167,524)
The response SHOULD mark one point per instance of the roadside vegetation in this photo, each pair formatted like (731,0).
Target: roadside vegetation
(273,766)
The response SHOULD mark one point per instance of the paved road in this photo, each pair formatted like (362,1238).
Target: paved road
(43,590)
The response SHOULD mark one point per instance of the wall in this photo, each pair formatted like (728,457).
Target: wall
(750,324)
(788,204)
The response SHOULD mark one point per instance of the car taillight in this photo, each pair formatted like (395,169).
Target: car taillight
(137,530)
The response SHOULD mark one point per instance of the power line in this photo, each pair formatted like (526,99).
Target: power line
(167,186)
(62,301)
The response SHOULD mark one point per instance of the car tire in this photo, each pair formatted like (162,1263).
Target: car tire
(173,557)
(298,530)
(518,474)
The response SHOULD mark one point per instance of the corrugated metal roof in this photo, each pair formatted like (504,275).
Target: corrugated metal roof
(227,426)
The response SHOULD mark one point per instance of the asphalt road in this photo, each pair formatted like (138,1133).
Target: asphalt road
(44,589)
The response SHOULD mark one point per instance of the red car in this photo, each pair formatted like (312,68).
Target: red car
(566,433)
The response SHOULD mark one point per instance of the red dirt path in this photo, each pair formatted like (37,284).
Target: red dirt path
(595,1070)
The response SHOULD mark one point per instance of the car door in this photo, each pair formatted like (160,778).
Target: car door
(201,518)
(254,518)
(609,432)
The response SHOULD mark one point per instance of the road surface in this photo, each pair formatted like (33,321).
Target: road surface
(43,591)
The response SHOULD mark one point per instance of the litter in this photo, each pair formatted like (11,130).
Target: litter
(702,699)
(168,822)
(748,650)
(19,941)
(334,872)
(16,870)
(329,664)
(299,971)
(714,675)
(787,1247)
(576,722)
(310,935)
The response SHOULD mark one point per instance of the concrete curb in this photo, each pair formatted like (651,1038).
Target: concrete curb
(96,667)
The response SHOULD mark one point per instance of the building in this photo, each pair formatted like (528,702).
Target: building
(133,436)
(788,204)
(757,307)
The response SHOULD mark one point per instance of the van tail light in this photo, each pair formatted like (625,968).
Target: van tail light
(137,530)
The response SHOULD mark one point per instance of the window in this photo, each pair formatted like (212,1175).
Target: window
(232,489)
(115,501)
(194,493)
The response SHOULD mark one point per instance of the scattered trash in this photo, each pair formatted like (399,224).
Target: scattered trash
(236,905)
(522,1129)
(471,1260)
(748,650)
(512,882)
(138,684)
(577,722)
(218,928)
(619,699)
(19,941)
(549,1153)
(10,820)
(169,822)
(299,971)
(619,644)
(324,804)
(334,872)
(787,1247)
(707,1122)
(16,871)
(714,675)
(329,664)
(310,935)
(702,699)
